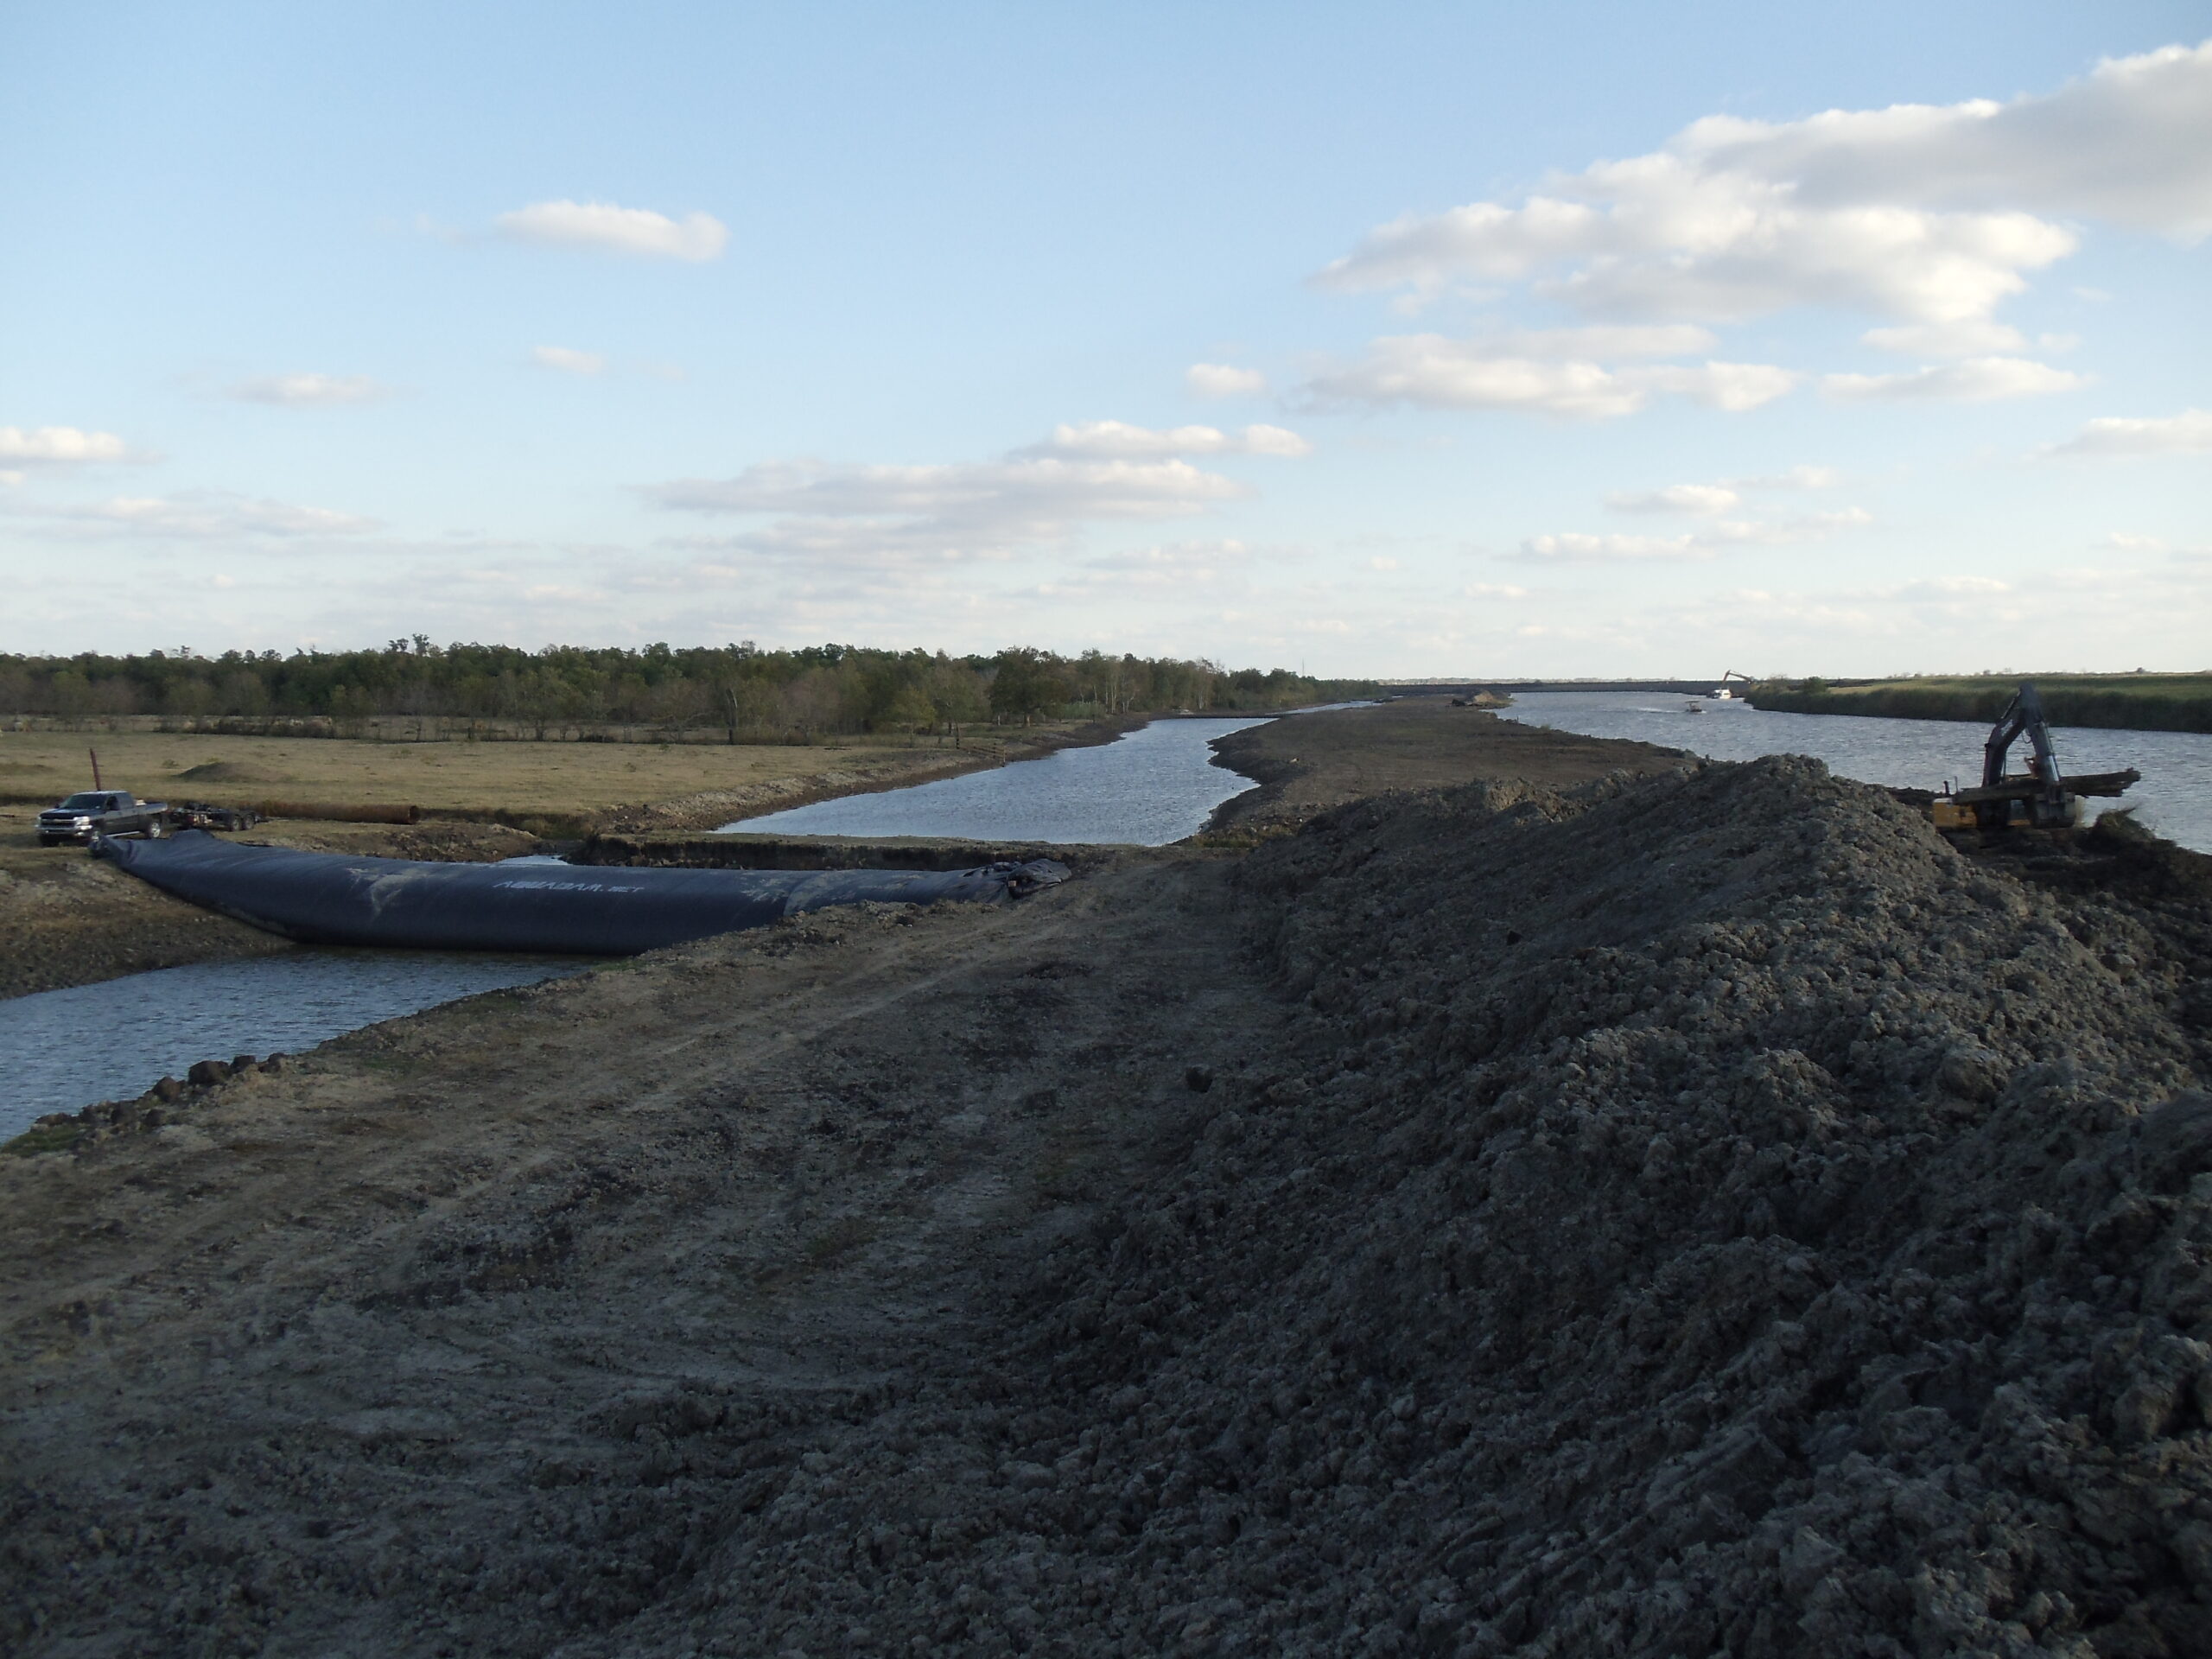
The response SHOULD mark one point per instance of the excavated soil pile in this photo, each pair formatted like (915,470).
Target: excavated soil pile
(1708,1214)
(1705,1213)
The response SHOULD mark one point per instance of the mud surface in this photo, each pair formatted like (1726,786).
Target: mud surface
(1705,1213)
(1310,763)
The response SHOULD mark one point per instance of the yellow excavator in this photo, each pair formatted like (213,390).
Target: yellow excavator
(2042,797)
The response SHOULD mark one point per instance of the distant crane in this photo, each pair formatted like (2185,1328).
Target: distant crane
(1721,692)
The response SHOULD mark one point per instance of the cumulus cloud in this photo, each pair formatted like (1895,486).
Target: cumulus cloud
(1977,380)
(1575,547)
(1120,440)
(1975,337)
(1676,498)
(568,360)
(695,237)
(1432,371)
(1600,340)
(1928,214)
(310,391)
(2189,432)
(1221,380)
(1099,471)
(58,446)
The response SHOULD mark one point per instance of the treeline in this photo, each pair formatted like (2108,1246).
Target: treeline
(740,691)
(2143,702)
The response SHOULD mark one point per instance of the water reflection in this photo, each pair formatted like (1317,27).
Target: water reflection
(2174,798)
(61,1050)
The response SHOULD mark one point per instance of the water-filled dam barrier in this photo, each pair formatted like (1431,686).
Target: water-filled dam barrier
(336,899)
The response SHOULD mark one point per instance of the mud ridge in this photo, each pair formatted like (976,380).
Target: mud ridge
(1700,1213)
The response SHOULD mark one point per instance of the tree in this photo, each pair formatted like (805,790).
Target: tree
(910,708)
(1026,685)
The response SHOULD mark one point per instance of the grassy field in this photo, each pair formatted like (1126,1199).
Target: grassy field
(520,783)
(2143,702)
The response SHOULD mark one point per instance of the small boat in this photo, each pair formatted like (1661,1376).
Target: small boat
(1694,708)
(333,899)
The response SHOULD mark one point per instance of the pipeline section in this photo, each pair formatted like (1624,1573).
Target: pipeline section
(334,898)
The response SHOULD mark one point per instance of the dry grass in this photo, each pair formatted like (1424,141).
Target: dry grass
(472,779)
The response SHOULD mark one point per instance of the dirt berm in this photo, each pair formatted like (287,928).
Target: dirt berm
(1701,1214)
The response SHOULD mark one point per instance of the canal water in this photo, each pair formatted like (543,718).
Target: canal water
(61,1050)
(1154,785)
(2174,799)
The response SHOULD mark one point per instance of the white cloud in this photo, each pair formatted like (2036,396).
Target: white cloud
(1602,340)
(201,516)
(1221,380)
(568,360)
(1974,337)
(1196,559)
(1676,498)
(696,237)
(2189,432)
(59,445)
(1494,590)
(1924,213)
(310,391)
(1100,471)
(1977,380)
(1435,372)
(1574,547)
(1795,478)
(1120,440)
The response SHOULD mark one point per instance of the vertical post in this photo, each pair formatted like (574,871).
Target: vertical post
(95,753)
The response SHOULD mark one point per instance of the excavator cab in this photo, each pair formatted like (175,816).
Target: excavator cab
(2042,797)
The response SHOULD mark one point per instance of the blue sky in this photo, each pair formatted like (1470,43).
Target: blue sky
(1571,340)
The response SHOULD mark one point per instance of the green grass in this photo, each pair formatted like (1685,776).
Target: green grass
(2154,702)
(46,1137)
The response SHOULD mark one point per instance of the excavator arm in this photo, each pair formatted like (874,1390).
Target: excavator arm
(2023,716)
(2044,797)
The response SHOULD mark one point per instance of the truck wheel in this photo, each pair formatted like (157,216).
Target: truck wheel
(156,829)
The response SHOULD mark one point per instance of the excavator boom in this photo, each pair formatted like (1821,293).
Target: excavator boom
(2043,796)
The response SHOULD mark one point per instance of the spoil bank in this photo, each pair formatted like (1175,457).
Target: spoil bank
(1311,763)
(1695,1213)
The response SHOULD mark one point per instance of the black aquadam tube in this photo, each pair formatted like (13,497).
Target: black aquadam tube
(331,899)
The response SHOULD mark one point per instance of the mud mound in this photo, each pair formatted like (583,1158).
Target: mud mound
(1701,1214)
(228,772)
(1706,1214)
